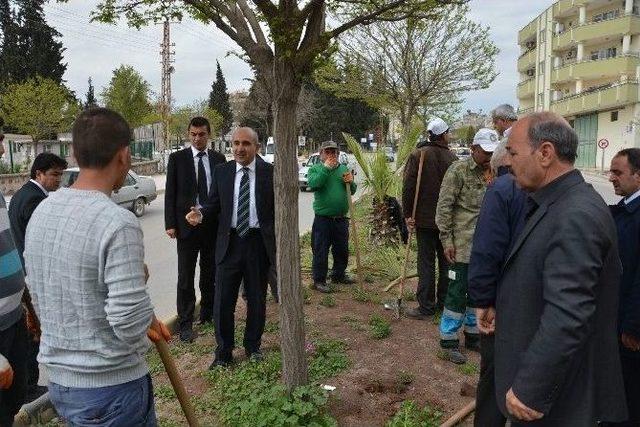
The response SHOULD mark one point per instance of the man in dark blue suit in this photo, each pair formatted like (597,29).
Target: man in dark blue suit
(241,199)
(46,175)
(625,177)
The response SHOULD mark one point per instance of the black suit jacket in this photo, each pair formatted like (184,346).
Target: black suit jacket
(181,190)
(220,205)
(22,205)
(556,338)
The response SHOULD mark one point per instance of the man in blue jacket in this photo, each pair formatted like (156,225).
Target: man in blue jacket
(500,222)
(625,177)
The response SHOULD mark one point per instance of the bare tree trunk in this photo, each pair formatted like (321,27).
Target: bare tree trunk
(286,92)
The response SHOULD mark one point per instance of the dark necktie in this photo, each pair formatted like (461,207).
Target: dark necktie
(203,191)
(244,196)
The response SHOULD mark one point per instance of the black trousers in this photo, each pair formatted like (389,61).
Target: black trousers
(430,247)
(14,346)
(329,233)
(631,374)
(201,242)
(33,368)
(245,261)
(487,412)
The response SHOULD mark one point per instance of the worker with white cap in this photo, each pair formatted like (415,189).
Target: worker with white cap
(461,195)
(436,160)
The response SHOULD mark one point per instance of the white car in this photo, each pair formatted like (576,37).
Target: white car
(136,192)
(312,160)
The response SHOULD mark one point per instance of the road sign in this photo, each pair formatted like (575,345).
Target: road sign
(603,143)
(302,141)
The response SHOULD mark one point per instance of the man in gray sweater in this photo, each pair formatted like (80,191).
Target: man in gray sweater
(84,258)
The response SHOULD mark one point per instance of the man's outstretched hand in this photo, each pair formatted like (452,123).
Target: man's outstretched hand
(158,331)
(194,217)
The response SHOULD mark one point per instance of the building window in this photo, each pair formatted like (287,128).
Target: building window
(607,53)
(612,14)
(614,116)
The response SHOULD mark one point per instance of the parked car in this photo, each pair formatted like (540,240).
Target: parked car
(315,158)
(270,151)
(136,192)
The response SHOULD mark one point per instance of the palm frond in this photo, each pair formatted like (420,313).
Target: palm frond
(381,175)
(409,142)
(356,150)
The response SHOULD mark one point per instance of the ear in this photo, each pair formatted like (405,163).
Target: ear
(547,153)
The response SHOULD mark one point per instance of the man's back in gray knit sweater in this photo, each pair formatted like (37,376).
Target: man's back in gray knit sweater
(84,258)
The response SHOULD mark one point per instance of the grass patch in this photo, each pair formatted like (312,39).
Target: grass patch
(380,327)
(410,415)
(468,368)
(406,378)
(366,296)
(328,301)
(154,362)
(250,394)
(164,392)
(271,327)
(354,322)
(306,295)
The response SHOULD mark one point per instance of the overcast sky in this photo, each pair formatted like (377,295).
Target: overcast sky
(94,50)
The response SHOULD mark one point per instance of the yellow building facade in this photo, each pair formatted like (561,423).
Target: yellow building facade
(581,59)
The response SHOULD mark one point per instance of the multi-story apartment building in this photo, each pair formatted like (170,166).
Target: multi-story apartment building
(581,59)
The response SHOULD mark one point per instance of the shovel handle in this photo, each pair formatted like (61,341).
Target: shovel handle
(355,236)
(176,382)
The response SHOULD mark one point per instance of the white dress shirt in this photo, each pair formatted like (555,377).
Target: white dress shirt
(46,193)
(253,214)
(632,197)
(207,168)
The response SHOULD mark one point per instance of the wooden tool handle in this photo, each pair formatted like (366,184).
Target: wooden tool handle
(355,236)
(176,382)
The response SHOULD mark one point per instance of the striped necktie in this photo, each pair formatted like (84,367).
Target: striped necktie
(244,195)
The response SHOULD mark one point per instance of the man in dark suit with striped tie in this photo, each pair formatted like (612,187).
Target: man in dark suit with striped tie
(189,178)
(242,201)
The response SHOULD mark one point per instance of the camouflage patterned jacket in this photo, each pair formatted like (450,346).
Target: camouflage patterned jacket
(461,195)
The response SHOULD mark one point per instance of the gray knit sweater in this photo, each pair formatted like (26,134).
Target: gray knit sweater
(84,259)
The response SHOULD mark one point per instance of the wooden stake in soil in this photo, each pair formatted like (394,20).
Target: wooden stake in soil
(460,415)
(406,254)
(355,236)
(176,382)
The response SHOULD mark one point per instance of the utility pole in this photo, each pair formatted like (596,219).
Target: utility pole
(165,103)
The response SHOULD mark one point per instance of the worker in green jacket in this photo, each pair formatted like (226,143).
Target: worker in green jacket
(330,230)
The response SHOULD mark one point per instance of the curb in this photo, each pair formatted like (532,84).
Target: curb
(41,410)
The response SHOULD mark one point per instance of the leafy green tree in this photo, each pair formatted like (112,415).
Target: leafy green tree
(180,118)
(413,67)
(39,107)
(90,98)
(219,100)
(283,42)
(128,94)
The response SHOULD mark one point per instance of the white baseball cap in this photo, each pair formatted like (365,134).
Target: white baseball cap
(437,126)
(487,139)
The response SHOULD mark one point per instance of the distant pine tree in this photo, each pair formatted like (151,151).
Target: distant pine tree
(219,100)
(90,98)
(12,61)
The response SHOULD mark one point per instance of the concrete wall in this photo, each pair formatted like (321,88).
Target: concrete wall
(621,134)
(9,184)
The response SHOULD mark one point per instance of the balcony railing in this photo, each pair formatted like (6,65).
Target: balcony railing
(595,68)
(627,23)
(611,95)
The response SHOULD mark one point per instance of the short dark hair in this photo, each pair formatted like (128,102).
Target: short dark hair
(45,161)
(98,134)
(633,157)
(551,127)
(198,122)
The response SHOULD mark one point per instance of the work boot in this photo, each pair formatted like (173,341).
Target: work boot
(321,287)
(417,314)
(455,356)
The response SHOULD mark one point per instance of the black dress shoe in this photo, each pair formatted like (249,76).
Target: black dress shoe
(188,335)
(345,280)
(255,356)
(206,321)
(321,287)
(220,363)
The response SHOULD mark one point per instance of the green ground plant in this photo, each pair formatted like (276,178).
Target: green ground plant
(410,415)
(380,327)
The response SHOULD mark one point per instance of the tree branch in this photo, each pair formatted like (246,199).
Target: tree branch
(253,22)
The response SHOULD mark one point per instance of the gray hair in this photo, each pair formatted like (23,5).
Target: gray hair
(497,159)
(504,112)
(553,128)
(254,134)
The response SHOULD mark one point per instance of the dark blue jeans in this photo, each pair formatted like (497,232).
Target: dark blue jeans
(329,233)
(128,404)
